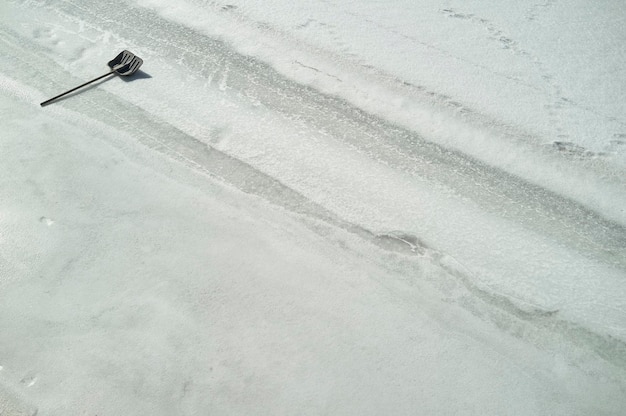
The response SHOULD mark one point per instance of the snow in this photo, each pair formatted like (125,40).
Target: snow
(324,207)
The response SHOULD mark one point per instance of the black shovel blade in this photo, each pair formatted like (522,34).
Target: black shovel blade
(126,63)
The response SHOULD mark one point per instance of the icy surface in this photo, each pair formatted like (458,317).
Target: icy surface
(407,207)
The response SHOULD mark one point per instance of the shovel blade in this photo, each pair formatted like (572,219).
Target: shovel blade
(125,63)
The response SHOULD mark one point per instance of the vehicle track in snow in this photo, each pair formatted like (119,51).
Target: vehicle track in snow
(494,190)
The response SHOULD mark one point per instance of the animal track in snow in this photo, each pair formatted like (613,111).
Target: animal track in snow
(29,380)
(495,33)
(228,7)
(47,36)
(533,12)
(46,220)
(617,144)
(556,98)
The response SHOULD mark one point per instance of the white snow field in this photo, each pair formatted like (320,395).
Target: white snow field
(315,207)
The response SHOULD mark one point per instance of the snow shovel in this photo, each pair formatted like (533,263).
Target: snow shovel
(126,63)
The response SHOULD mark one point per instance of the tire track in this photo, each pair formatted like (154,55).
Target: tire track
(495,190)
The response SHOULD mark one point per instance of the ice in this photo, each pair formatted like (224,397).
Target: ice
(345,208)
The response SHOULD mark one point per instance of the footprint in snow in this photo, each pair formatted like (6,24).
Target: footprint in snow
(46,220)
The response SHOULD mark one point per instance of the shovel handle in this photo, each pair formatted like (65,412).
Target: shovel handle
(75,88)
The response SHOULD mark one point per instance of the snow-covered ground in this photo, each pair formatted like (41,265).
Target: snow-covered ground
(313,207)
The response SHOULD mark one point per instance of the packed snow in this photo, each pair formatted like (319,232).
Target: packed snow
(314,207)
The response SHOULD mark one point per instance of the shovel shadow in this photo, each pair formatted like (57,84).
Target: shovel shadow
(139,74)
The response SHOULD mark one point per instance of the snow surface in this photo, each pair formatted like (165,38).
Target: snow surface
(373,207)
